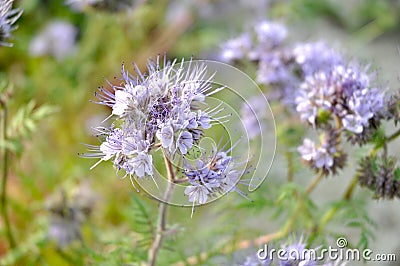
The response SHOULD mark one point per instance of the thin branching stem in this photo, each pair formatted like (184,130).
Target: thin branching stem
(315,182)
(393,136)
(4,177)
(162,214)
(290,171)
(181,180)
(332,211)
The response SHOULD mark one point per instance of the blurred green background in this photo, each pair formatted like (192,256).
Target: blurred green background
(46,171)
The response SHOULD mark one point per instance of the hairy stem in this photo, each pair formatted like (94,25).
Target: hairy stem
(315,182)
(162,215)
(393,136)
(290,172)
(182,180)
(4,177)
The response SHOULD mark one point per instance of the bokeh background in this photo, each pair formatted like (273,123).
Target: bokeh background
(46,173)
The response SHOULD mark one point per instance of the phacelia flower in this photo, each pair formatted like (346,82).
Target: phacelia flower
(270,34)
(57,39)
(380,175)
(8,17)
(345,93)
(327,157)
(314,57)
(236,49)
(281,68)
(272,70)
(213,176)
(162,108)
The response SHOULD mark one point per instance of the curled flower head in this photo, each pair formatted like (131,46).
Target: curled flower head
(282,68)
(344,92)
(327,157)
(163,108)
(265,37)
(314,57)
(270,34)
(236,48)
(8,17)
(380,175)
(212,176)
(272,70)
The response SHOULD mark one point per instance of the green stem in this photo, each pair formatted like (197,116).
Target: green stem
(290,172)
(162,215)
(393,136)
(4,178)
(314,183)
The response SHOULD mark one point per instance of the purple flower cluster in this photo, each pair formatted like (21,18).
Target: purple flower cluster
(316,84)
(341,99)
(212,176)
(344,92)
(8,17)
(165,109)
(327,156)
(158,109)
(281,67)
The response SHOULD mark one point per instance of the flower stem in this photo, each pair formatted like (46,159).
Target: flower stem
(290,171)
(315,182)
(4,177)
(393,136)
(162,215)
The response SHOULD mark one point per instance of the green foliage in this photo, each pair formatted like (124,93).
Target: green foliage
(354,214)
(49,115)
(25,122)
(142,221)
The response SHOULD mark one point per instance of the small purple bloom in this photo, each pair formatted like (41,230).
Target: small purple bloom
(236,49)
(185,142)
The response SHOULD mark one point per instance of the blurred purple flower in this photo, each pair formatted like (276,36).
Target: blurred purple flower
(236,49)
(58,39)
